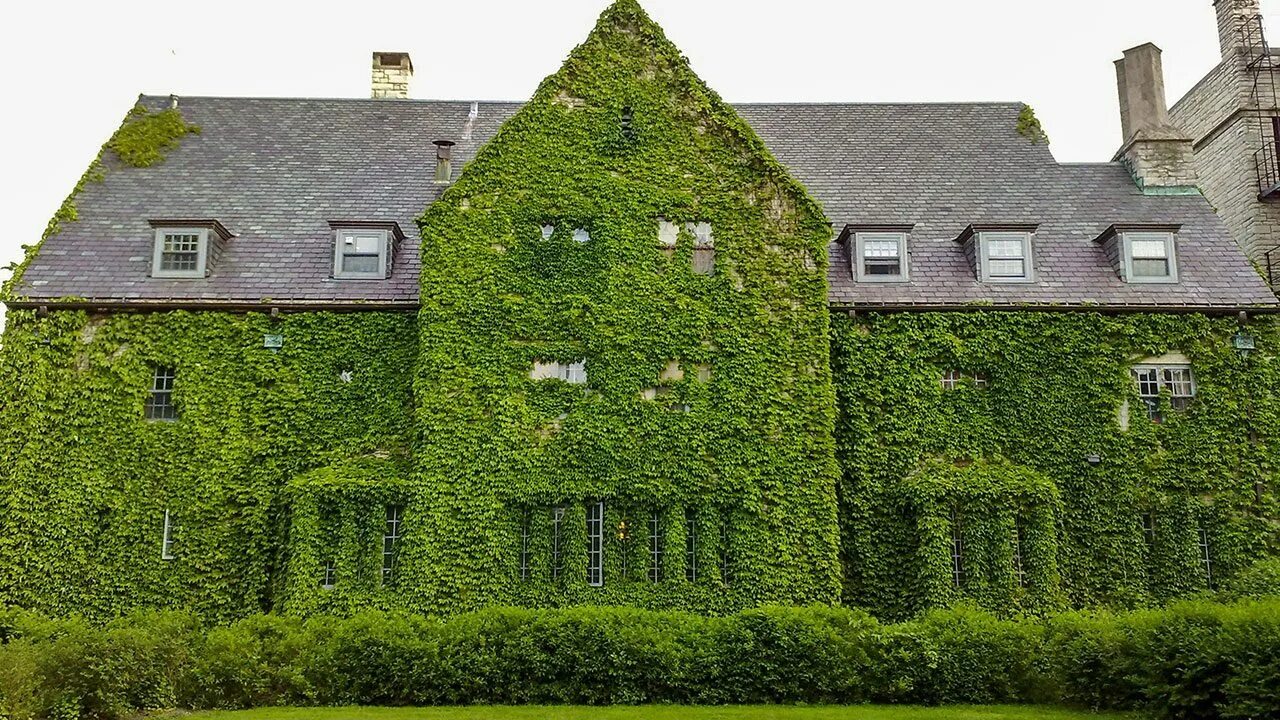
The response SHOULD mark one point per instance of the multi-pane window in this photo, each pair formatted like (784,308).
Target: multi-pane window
(655,547)
(574,373)
(328,574)
(360,254)
(726,556)
(595,544)
(557,542)
(957,550)
(1005,256)
(1149,257)
(391,543)
(1202,540)
(525,521)
(880,257)
(952,379)
(1177,380)
(180,253)
(169,535)
(690,546)
(1019,543)
(1149,530)
(160,405)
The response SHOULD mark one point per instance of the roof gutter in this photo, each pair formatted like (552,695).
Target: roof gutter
(295,306)
(1215,310)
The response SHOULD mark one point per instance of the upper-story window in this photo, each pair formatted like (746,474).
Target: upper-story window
(880,256)
(574,373)
(1005,256)
(180,253)
(160,404)
(1150,257)
(185,249)
(1176,380)
(364,250)
(360,254)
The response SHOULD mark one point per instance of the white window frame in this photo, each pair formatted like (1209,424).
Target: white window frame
(557,542)
(1151,402)
(392,534)
(595,544)
(1171,255)
(957,550)
(328,574)
(1205,552)
(984,255)
(202,253)
(691,545)
(574,373)
(340,237)
(167,537)
(859,256)
(526,521)
(656,540)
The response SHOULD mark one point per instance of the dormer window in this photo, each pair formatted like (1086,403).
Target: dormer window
(1005,256)
(364,251)
(181,253)
(184,249)
(1142,253)
(361,254)
(1149,257)
(880,256)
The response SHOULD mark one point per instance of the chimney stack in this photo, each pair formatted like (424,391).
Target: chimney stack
(1160,157)
(444,160)
(1234,18)
(391,74)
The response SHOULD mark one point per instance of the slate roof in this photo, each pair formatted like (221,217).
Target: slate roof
(277,171)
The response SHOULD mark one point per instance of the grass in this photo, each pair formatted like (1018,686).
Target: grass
(663,712)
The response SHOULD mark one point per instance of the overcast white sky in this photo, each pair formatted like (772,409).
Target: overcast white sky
(70,70)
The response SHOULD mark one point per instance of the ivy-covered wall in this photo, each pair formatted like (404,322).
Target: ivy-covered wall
(1057,387)
(624,135)
(628,233)
(85,479)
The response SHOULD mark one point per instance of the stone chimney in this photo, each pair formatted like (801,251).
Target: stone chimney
(1159,156)
(1233,17)
(391,74)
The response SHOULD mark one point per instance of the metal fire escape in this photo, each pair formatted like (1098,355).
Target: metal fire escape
(1263,71)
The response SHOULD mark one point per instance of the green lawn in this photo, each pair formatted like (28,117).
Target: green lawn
(660,712)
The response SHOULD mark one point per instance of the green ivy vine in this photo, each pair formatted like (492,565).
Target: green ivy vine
(1046,438)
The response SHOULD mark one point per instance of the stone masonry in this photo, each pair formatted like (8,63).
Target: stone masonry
(1159,155)
(391,74)
(1226,117)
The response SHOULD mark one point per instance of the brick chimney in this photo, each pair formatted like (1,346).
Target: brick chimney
(391,74)
(1159,156)
(1233,16)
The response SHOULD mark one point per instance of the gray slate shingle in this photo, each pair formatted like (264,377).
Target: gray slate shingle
(276,171)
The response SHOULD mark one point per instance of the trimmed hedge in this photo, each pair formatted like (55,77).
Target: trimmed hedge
(1193,660)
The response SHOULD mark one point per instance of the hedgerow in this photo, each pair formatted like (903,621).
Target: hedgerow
(1193,660)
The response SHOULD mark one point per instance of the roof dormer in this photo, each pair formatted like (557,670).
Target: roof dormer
(186,249)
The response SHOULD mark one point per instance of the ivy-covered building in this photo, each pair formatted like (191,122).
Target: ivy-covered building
(626,343)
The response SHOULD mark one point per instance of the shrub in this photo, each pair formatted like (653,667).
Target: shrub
(1193,660)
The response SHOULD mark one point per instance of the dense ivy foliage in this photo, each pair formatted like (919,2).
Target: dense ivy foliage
(1196,661)
(86,479)
(1057,388)
(622,136)
(142,140)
